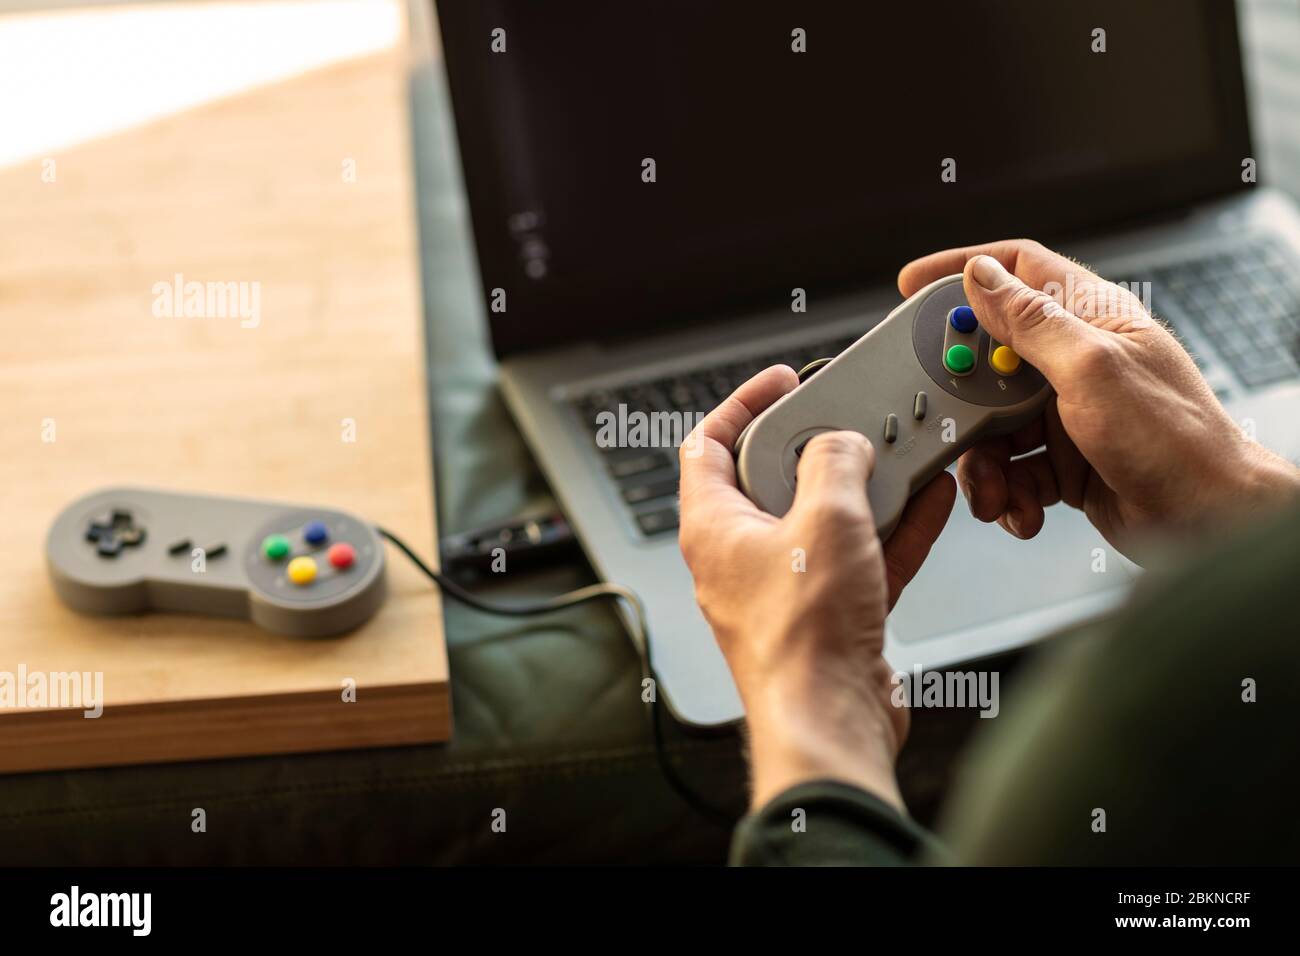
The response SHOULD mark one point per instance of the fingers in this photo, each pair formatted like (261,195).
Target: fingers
(1017,288)
(982,476)
(1031,488)
(725,423)
(1068,464)
(832,475)
(1034,263)
(707,463)
(1054,340)
(1014,493)
(920,525)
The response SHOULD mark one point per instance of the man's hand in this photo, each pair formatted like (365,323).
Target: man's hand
(1135,438)
(798,603)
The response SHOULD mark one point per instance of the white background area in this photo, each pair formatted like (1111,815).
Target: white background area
(73,74)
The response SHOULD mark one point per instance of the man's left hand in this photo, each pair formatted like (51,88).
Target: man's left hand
(798,603)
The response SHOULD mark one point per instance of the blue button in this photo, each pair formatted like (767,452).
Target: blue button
(315,532)
(963,319)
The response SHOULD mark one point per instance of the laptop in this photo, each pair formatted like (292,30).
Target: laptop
(666,201)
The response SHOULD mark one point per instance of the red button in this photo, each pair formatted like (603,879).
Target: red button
(342,555)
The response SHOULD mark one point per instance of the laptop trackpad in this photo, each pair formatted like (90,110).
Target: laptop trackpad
(982,590)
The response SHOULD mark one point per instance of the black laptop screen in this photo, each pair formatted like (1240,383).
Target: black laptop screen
(902,129)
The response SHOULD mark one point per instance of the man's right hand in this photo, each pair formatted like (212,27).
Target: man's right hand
(1135,438)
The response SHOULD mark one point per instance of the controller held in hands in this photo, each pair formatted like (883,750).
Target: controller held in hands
(923,386)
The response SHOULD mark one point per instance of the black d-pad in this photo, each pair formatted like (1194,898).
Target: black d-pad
(113,532)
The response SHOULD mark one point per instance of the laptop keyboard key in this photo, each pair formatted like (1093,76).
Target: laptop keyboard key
(641,490)
(658,521)
(638,461)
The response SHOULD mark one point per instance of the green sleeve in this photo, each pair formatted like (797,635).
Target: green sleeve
(1167,736)
(827,823)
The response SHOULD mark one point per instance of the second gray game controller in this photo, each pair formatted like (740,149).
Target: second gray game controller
(923,386)
(306,572)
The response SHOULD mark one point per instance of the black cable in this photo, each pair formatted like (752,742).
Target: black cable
(640,641)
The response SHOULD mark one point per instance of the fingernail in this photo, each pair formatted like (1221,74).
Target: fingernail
(988,272)
(1013,522)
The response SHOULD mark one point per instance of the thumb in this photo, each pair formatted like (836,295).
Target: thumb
(833,473)
(1040,330)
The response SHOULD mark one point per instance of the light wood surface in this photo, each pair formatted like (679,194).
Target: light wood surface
(250,189)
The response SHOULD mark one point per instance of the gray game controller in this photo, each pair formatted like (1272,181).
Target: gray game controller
(306,572)
(923,385)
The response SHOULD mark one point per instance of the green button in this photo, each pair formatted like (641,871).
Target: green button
(960,359)
(275,546)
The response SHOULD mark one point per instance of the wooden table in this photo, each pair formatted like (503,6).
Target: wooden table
(303,189)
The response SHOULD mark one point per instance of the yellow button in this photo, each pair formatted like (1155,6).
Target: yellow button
(302,570)
(1004,360)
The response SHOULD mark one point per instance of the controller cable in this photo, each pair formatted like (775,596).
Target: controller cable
(639,634)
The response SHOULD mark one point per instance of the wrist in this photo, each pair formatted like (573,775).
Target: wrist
(1269,478)
(1260,480)
(814,726)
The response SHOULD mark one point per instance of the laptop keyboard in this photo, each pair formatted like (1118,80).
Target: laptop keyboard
(647,477)
(1245,303)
